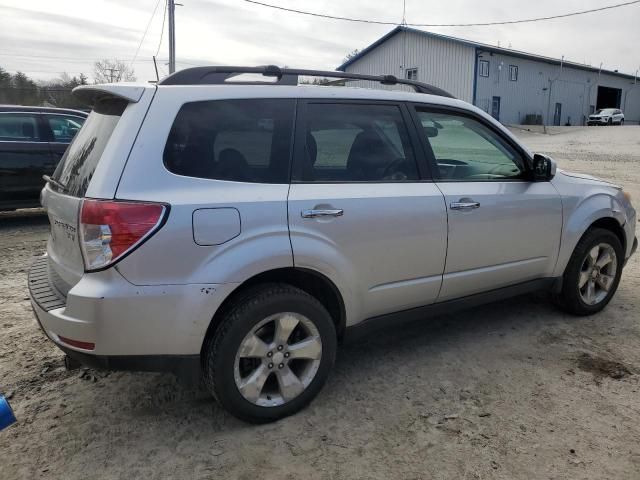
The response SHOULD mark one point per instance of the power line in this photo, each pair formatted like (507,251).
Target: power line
(153,14)
(485,24)
(164,17)
(68,59)
(59,72)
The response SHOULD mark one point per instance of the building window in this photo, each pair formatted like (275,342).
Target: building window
(513,73)
(412,74)
(484,68)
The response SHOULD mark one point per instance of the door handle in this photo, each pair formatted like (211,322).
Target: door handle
(334,212)
(464,205)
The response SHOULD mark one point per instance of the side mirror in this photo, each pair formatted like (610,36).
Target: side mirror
(430,132)
(544,168)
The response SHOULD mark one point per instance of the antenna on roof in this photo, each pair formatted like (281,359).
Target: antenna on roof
(155,65)
(404,13)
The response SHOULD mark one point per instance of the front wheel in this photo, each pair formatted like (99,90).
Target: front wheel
(593,273)
(271,354)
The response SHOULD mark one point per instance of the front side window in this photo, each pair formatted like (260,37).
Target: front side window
(236,140)
(355,143)
(64,128)
(513,73)
(483,68)
(468,151)
(19,127)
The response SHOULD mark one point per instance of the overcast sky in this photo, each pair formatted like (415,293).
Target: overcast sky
(45,38)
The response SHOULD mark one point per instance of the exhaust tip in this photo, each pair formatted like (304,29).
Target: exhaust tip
(71,363)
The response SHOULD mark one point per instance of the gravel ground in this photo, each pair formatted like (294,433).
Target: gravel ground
(508,391)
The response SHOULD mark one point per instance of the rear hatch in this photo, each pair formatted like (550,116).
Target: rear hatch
(62,197)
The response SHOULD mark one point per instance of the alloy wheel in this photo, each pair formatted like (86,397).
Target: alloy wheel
(597,274)
(278,359)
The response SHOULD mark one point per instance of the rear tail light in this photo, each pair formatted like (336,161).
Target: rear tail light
(110,229)
(77,343)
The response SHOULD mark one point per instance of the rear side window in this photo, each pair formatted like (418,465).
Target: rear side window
(81,158)
(19,127)
(355,143)
(238,140)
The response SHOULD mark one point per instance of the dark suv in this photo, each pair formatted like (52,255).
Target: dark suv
(32,141)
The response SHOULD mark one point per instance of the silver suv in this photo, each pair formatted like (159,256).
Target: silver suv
(241,230)
(606,116)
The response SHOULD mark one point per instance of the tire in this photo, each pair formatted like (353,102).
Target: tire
(230,372)
(622,122)
(574,298)
(610,122)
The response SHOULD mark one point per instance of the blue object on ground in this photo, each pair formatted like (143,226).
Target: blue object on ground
(6,414)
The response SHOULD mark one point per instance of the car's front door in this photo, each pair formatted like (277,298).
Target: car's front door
(359,212)
(23,155)
(503,228)
(62,128)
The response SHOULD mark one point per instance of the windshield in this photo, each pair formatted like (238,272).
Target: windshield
(607,111)
(81,158)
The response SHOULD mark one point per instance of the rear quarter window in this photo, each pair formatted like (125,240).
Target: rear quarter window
(81,158)
(245,140)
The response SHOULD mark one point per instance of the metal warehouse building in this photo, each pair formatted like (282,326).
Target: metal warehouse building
(515,87)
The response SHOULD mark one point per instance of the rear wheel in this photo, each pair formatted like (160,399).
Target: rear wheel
(622,122)
(271,354)
(593,273)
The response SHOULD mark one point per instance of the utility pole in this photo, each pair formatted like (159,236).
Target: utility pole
(551,82)
(172,35)
(111,73)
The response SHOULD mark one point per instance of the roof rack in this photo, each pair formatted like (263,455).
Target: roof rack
(285,76)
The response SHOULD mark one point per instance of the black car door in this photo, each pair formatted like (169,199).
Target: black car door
(61,129)
(24,158)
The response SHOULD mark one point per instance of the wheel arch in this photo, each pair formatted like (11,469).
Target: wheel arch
(611,224)
(579,227)
(314,283)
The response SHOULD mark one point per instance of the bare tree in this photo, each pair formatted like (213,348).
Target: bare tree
(351,54)
(57,92)
(112,70)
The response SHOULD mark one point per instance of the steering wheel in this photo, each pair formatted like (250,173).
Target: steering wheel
(392,172)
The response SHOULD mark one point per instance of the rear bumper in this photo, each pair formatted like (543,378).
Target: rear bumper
(144,328)
(186,366)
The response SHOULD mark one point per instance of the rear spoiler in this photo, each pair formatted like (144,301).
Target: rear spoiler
(91,93)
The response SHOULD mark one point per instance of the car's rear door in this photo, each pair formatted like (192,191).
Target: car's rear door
(24,153)
(504,228)
(359,210)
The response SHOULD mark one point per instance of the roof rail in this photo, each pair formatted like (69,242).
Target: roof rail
(285,76)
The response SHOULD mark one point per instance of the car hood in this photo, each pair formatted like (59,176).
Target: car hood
(563,175)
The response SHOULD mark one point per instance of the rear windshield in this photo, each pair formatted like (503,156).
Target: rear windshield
(236,140)
(81,158)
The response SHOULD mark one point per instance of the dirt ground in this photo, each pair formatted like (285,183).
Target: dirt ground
(512,390)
